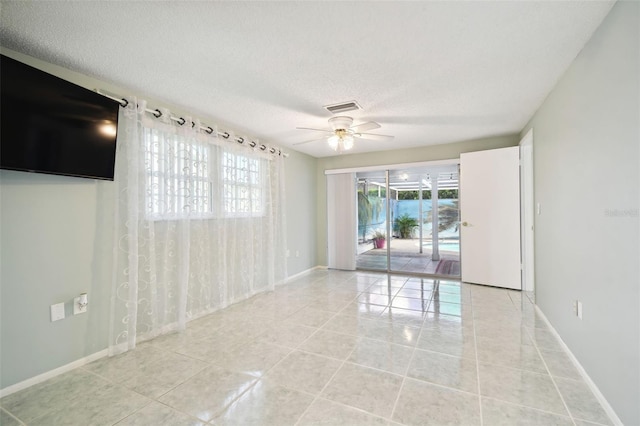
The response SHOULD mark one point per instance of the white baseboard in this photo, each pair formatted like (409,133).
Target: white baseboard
(52,373)
(299,274)
(603,401)
(105,352)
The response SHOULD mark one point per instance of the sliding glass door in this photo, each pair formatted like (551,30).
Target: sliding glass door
(408,220)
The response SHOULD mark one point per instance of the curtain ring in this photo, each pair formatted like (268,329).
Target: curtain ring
(124,103)
(279,152)
(181,121)
(272,150)
(263,147)
(225,135)
(209,130)
(157,115)
(252,144)
(193,124)
(240,140)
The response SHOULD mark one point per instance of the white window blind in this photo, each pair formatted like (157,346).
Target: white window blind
(341,221)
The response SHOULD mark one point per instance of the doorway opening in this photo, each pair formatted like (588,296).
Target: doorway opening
(397,228)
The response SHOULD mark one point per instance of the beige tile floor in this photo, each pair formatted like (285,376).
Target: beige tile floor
(343,348)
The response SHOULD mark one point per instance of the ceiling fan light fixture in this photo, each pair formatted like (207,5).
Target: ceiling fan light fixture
(347,142)
(333,142)
(340,143)
(343,133)
(340,122)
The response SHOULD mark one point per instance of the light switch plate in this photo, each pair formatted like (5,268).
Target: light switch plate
(57,312)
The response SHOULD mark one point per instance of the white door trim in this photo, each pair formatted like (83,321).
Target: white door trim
(527,214)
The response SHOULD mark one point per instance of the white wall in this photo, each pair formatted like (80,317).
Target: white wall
(301,212)
(586,148)
(49,253)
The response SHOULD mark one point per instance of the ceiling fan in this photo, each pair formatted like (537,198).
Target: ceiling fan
(343,133)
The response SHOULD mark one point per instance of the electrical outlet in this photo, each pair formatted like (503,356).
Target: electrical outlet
(79,308)
(57,312)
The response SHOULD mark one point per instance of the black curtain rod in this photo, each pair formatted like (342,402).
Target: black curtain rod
(181,121)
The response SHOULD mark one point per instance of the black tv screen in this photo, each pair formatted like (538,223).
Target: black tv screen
(49,125)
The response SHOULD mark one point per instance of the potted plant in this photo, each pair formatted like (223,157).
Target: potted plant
(405,225)
(378,239)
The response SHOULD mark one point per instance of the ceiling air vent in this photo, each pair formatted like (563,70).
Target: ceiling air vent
(343,107)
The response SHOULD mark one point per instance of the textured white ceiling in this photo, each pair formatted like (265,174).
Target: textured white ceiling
(428,72)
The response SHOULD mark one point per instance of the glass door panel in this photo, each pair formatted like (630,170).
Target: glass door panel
(408,190)
(372,221)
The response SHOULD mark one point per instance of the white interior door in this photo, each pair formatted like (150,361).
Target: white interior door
(490,217)
(341,221)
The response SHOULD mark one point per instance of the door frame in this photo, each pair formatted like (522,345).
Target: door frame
(527,214)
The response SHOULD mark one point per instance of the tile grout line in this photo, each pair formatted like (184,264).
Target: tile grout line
(544,362)
(357,409)
(263,376)
(345,361)
(475,348)
(380,319)
(324,387)
(516,404)
(155,399)
(120,385)
(534,345)
(299,346)
(555,385)
(257,379)
(12,416)
(413,353)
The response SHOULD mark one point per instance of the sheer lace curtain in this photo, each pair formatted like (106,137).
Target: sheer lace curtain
(199,224)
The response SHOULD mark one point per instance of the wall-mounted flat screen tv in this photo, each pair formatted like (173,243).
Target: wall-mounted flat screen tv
(49,125)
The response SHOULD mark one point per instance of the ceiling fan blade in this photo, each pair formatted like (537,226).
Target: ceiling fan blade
(373,137)
(317,130)
(370,125)
(312,140)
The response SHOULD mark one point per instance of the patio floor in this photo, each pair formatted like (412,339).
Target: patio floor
(405,257)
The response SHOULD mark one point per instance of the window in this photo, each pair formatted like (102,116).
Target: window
(243,185)
(189,179)
(178,176)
